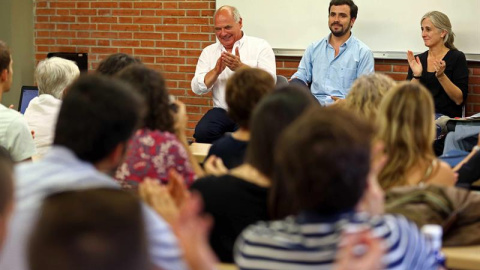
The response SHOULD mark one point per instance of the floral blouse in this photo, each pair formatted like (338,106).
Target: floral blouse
(152,153)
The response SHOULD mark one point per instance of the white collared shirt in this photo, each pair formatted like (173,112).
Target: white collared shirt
(254,52)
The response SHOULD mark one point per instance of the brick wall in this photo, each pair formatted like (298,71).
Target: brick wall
(168,35)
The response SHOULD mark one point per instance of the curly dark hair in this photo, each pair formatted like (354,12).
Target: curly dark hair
(114,63)
(151,85)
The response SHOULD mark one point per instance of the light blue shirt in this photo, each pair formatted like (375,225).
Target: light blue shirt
(61,170)
(330,75)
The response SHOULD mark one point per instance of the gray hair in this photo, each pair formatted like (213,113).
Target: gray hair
(441,21)
(233,10)
(55,74)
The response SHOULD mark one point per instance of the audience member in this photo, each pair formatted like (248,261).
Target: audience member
(244,90)
(366,94)
(53,76)
(95,122)
(93,229)
(239,198)
(218,62)
(406,126)
(116,62)
(327,155)
(160,143)
(442,69)
(331,65)
(14,133)
(6,192)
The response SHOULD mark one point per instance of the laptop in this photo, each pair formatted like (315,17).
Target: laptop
(27,94)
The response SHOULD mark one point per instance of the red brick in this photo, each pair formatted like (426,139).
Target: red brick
(42,18)
(476,71)
(190,53)
(83,19)
(83,27)
(193,13)
(49,26)
(126,12)
(397,76)
(146,28)
(200,37)
(169,60)
(194,45)
(110,4)
(104,19)
(45,12)
(475,89)
(171,52)
(473,99)
(62,4)
(379,67)
(474,80)
(193,21)
(170,44)
(170,36)
(147,20)
(125,20)
(40,4)
(62,34)
(43,33)
(125,50)
(149,52)
(125,27)
(103,43)
(170,5)
(148,12)
(170,20)
(126,43)
(63,12)
(125,4)
(170,12)
(403,68)
(190,69)
(147,36)
(83,4)
(62,18)
(81,12)
(104,50)
(103,27)
(193,5)
(63,26)
(125,35)
(43,49)
(84,42)
(207,13)
(194,101)
(170,68)
(147,5)
(147,60)
(104,35)
(83,34)
(169,28)
(148,43)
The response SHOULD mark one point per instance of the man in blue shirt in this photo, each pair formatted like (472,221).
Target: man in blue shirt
(331,65)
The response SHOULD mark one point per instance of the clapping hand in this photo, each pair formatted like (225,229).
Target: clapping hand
(232,61)
(439,67)
(415,64)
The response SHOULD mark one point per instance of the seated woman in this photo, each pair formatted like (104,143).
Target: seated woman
(244,90)
(239,198)
(53,76)
(366,94)
(442,69)
(160,143)
(406,126)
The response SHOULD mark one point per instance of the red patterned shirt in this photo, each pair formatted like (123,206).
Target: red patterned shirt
(152,154)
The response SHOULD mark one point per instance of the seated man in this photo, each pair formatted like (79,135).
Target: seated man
(6,192)
(218,62)
(14,133)
(324,158)
(89,229)
(96,119)
(52,75)
(332,64)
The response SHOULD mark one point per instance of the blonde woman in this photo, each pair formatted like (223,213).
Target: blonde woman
(406,126)
(366,94)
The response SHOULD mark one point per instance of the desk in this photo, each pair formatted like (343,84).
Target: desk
(465,258)
(227,266)
(200,150)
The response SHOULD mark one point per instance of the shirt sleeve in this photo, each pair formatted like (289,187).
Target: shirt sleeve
(304,72)
(460,74)
(266,60)
(203,67)
(366,64)
(164,250)
(20,142)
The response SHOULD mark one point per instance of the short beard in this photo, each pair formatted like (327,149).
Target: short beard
(341,33)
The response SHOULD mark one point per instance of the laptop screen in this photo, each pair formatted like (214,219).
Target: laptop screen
(27,94)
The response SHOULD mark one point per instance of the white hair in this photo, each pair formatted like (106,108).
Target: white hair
(55,74)
(234,10)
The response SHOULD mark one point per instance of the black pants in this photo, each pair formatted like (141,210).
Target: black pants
(213,125)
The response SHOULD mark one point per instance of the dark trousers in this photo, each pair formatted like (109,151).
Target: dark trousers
(213,125)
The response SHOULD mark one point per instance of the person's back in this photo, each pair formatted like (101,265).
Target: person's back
(97,117)
(53,75)
(6,193)
(93,229)
(324,157)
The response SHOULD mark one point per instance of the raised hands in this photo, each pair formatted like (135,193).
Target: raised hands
(232,61)
(180,117)
(415,64)
(220,66)
(214,166)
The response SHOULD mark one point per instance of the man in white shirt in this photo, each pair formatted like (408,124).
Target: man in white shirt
(218,62)
(14,133)
(53,75)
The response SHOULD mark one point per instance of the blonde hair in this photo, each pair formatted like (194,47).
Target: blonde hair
(406,126)
(441,21)
(366,94)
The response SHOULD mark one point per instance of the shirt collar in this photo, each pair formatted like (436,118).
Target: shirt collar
(346,43)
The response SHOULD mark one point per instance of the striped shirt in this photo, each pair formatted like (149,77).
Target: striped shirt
(58,171)
(309,241)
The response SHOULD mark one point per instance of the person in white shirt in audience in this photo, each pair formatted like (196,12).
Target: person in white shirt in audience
(14,133)
(218,62)
(53,76)
(95,122)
